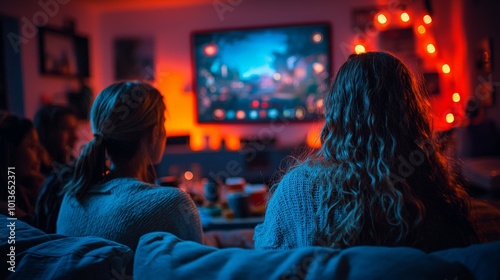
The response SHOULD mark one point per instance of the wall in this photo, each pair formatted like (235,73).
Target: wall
(480,20)
(171,27)
(51,13)
(171,30)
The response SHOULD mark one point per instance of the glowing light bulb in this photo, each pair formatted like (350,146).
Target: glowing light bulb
(405,17)
(450,118)
(359,49)
(421,29)
(456,97)
(382,19)
(431,48)
(446,68)
(427,19)
(188,175)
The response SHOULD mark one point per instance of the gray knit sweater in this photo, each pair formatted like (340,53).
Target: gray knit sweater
(289,219)
(124,209)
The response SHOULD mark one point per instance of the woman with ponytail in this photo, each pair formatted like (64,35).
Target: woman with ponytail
(120,202)
(378,177)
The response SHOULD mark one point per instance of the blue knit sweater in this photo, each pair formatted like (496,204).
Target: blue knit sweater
(124,209)
(290,215)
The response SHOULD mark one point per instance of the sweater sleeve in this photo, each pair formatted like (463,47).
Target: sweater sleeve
(289,217)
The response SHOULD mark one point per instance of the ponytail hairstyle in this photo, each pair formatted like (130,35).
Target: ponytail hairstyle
(120,116)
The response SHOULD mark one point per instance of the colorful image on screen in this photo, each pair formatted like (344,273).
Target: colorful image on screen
(259,75)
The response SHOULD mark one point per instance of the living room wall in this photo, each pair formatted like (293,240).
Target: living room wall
(53,13)
(170,28)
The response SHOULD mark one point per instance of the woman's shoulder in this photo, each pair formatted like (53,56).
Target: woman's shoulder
(301,172)
(134,187)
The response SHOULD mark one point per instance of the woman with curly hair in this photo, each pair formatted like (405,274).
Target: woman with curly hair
(378,177)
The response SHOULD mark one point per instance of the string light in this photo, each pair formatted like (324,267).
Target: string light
(359,48)
(456,97)
(421,29)
(450,118)
(431,48)
(382,18)
(405,17)
(446,68)
(427,19)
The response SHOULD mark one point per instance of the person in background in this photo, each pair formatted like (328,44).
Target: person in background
(21,153)
(120,202)
(57,126)
(378,177)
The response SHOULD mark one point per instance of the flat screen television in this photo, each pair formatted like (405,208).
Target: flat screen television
(256,75)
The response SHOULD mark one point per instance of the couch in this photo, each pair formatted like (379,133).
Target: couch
(478,151)
(161,255)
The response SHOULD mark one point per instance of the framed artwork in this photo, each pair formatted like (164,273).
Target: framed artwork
(134,59)
(484,90)
(63,53)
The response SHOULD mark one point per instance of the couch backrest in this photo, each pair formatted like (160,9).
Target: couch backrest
(161,255)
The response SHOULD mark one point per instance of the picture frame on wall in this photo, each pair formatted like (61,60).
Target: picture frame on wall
(484,90)
(63,53)
(134,58)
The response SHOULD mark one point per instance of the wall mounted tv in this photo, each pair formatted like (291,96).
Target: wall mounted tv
(256,75)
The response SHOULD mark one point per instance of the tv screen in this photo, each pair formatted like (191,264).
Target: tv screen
(255,75)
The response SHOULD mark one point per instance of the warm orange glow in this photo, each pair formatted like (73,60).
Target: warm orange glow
(427,19)
(450,118)
(312,139)
(382,18)
(197,141)
(456,97)
(431,48)
(359,49)
(233,142)
(421,29)
(446,68)
(214,141)
(405,17)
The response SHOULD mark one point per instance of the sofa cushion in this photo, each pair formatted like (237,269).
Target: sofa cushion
(163,255)
(482,260)
(50,256)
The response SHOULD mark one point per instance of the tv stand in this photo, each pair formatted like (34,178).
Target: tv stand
(257,164)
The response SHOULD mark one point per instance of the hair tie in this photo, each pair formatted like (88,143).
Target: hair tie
(98,137)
